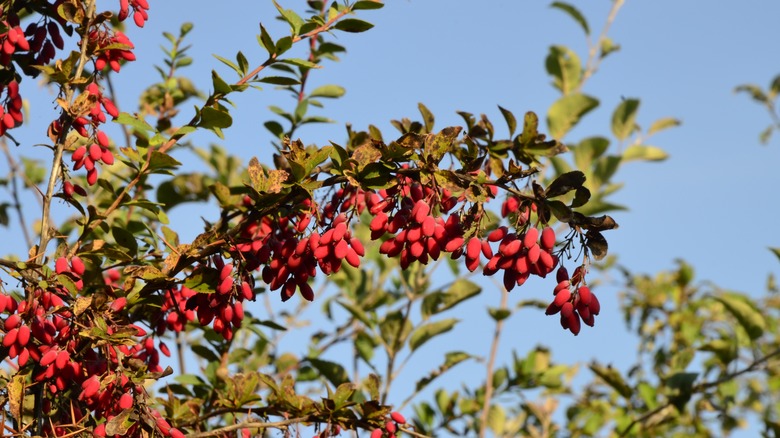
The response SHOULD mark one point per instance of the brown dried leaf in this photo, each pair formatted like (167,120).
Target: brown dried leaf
(275,181)
(15,389)
(366,154)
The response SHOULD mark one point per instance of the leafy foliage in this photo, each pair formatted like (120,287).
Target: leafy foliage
(359,226)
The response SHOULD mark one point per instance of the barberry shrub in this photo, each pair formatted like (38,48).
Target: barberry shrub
(103,316)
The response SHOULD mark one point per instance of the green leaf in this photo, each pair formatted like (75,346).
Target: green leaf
(139,125)
(624,118)
(776,251)
(211,118)
(754,91)
(266,41)
(459,291)
(204,352)
(300,62)
(330,91)
(607,46)
(511,121)
(357,312)
(125,239)
(335,373)
(394,329)
(367,4)
(291,17)
(663,123)
(565,66)
(597,244)
(499,314)
(203,280)
(450,360)
(229,63)
(766,134)
(220,86)
(427,116)
(353,25)
(567,111)
(161,161)
(644,153)
(573,13)
(746,313)
(613,378)
(565,183)
(425,332)
(279,80)
(282,45)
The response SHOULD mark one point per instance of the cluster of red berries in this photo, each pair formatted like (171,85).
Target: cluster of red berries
(287,262)
(334,245)
(223,309)
(174,314)
(75,268)
(11,110)
(69,189)
(140,8)
(391,426)
(45,38)
(13,40)
(87,157)
(519,256)
(109,54)
(102,103)
(404,212)
(97,151)
(573,300)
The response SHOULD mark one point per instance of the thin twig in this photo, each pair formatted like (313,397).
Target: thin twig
(594,60)
(491,364)
(56,167)
(14,167)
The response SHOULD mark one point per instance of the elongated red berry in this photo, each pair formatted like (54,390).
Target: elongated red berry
(306,291)
(10,337)
(23,336)
(473,248)
(126,401)
(13,321)
(454,244)
(548,238)
(562,297)
(497,234)
(594,306)
(530,237)
(585,295)
(61,265)
(397,417)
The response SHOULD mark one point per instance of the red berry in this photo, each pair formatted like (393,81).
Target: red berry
(473,248)
(10,337)
(548,238)
(61,265)
(585,295)
(78,266)
(13,321)
(397,417)
(530,237)
(562,297)
(497,235)
(126,401)
(454,244)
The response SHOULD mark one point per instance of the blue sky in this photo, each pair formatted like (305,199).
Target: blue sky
(713,203)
